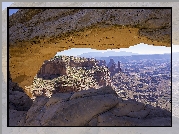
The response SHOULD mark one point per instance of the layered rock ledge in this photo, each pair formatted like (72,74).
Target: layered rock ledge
(36,35)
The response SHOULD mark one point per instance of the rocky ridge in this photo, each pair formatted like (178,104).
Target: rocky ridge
(93,107)
(30,21)
(64,109)
(68,73)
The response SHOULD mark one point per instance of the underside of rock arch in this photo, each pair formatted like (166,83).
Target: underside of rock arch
(37,35)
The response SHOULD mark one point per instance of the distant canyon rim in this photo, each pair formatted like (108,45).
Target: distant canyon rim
(41,33)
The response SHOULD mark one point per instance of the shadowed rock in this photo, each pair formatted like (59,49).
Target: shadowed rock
(15,117)
(128,113)
(93,107)
(19,103)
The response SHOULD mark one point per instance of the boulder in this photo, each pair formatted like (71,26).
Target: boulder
(77,111)
(35,113)
(19,104)
(93,122)
(19,101)
(132,113)
(157,112)
(93,92)
(59,97)
(127,108)
(93,107)
(108,119)
(139,114)
(158,121)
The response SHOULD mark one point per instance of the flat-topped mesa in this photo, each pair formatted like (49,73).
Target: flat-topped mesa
(36,35)
(68,74)
(58,65)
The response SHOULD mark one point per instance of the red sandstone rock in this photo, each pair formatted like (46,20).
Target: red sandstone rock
(71,74)
(52,69)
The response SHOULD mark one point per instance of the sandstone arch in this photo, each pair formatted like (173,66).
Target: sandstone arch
(29,46)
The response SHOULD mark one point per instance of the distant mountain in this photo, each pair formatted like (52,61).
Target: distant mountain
(106,54)
(125,59)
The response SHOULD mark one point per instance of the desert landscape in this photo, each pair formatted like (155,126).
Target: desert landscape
(48,90)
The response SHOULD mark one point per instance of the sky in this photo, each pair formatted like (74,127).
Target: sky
(11,11)
(139,48)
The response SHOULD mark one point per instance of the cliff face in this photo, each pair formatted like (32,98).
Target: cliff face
(68,74)
(19,103)
(36,35)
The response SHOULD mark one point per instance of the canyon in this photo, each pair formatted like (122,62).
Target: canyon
(92,107)
(35,36)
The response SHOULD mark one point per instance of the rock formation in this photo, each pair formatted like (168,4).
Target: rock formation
(119,67)
(63,99)
(102,63)
(144,19)
(111,63)
(19,103)
(36,35)
(113,68)
(93,107)
(67,74)
(52,69)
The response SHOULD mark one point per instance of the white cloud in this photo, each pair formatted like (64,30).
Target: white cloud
(145,49)
(140,49)
(175,48)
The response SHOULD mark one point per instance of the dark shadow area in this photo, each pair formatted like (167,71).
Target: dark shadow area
(115,112)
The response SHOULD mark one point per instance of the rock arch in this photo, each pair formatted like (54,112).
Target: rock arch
(38,36)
